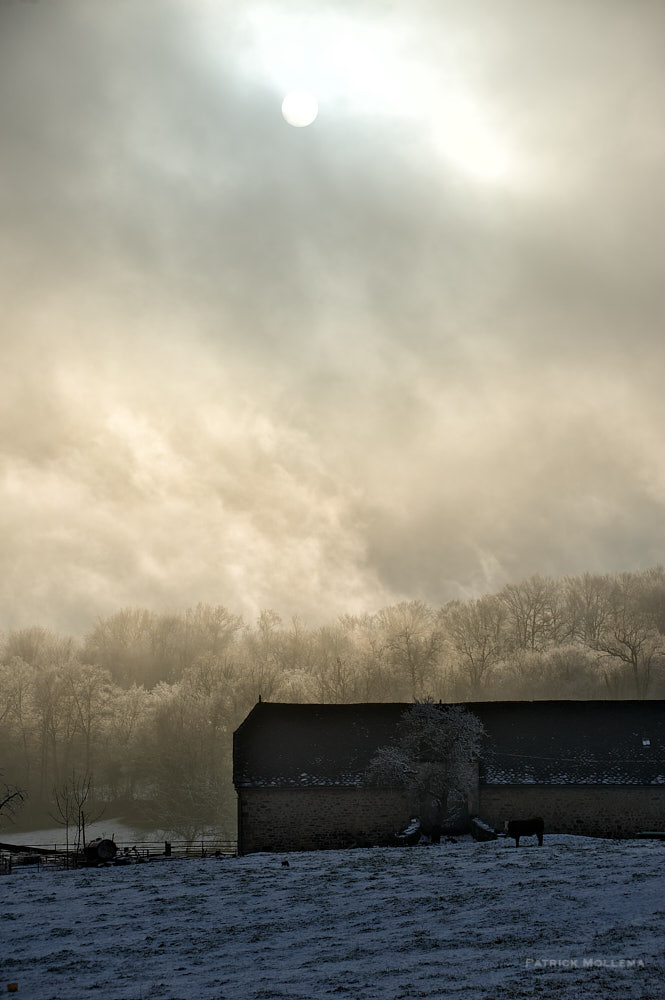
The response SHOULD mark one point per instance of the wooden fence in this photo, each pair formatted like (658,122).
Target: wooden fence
(56,855)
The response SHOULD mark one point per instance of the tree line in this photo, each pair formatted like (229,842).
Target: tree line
(145,705)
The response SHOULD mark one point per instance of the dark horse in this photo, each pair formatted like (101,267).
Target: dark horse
(525,828)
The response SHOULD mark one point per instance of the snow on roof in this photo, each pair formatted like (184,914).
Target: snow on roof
(545,742)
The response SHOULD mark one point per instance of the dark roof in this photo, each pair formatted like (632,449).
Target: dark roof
(528,742)
(573,742)
(281,744)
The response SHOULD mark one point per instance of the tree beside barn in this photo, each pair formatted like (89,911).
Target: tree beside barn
(433,759)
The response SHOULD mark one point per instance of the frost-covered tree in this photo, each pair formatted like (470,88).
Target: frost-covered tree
(475,634)
(433,757)
(413,643)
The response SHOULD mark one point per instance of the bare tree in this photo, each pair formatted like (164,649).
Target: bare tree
(187,760)
(74,803)
(629,633)
(29,644)
(587,601)
(65,809)
(534,613)
(474,630)
(123,645)
(334,666)
(374,679)
(11,799)
(262,649)
(414,642)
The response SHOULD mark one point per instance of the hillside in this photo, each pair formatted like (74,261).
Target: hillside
(463,920)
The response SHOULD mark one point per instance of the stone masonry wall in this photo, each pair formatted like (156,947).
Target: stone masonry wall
(303,819)
(595,811)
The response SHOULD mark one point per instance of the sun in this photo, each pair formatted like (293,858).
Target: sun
(300,108)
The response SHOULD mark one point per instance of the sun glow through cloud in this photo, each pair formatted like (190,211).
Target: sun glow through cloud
(461,136)
(300,108)
(369,69)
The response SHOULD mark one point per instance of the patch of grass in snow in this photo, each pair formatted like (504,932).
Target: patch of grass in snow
(505,940)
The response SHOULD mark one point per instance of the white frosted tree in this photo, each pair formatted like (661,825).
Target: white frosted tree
(433,757)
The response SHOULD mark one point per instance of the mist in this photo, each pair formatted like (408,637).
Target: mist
(411,352)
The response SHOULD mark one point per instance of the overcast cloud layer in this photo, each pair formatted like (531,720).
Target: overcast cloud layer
(412,351)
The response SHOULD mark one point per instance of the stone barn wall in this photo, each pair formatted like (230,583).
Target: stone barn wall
(304,819)
(590,810)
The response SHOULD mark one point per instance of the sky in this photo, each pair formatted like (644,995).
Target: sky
(411,351)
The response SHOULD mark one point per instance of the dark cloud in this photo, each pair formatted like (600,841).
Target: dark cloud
(327,368)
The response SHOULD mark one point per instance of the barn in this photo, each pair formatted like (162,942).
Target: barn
(588,767)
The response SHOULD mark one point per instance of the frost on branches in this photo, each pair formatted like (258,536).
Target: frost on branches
(433,757)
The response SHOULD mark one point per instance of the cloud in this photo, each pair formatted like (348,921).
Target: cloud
(328,368)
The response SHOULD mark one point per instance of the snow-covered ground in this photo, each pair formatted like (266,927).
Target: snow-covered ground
(574,918)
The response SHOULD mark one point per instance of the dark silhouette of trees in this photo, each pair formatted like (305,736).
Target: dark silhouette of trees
(11,799)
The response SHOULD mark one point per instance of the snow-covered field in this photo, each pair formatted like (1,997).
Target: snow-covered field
(575,918)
